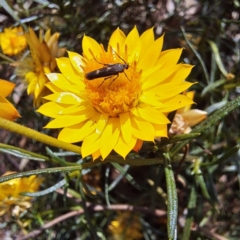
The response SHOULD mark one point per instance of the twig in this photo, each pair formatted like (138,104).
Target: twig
(94,208)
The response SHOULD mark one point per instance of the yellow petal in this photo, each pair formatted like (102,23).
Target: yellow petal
(168,90)
(76,61)
(132,41)
(117,39)
(61,82)
(70,120)
(101,123)
(90,145)
(189,94)
(65,121)
(142,130)
(73,109)
(68,71)
(6,87)
(169,57)
(182,73)
(151,99)
(177,102)
(123,148)
(77,133)
(89,46)
(7,111)
(109,138)
(126,129)
(51,109)
(150,114)
(151,55)
(64,97)
(156,77)
(105,141)
(161,130)
(146,39)
(52,87)
(96,155)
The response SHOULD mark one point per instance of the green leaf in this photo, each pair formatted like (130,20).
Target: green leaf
(218,58)
(191,207)
(172,199)
(46,191)
(21,153)
(200,180)
(8,9)
(212,86)
(39,171)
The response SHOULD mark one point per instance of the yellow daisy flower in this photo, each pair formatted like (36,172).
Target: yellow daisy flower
(44,50)
(126,226)
(12,41)
(186,118)
(7,110)
(11,202)
(123,108)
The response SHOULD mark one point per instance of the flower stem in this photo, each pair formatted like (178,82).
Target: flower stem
(17,128)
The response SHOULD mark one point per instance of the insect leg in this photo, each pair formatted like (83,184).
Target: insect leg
(126,76)
(108,78)
(113,80)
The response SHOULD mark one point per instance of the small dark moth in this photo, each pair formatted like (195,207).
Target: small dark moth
(108,71)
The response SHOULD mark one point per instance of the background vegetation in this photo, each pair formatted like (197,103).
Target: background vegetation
(208,187)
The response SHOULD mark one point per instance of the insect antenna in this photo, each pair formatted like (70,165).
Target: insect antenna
(111,48)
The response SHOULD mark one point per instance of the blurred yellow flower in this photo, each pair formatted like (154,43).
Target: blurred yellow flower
(185,118)
(12,41)
(7,110)
(119,111)
(126,226)
(44,50)
(11,202)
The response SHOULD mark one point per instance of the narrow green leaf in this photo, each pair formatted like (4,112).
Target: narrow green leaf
(191,208)
(213,86)
(45,191)
(21,153)
(39,171)
(197,55)
(120,177)
(224,157)
(212,108)
(217,57)
(172,199)
(8,9)
(200,180)
(128,177)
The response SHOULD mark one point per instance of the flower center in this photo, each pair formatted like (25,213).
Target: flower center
(113,85)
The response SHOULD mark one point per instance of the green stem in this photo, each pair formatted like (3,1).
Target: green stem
(17,128)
